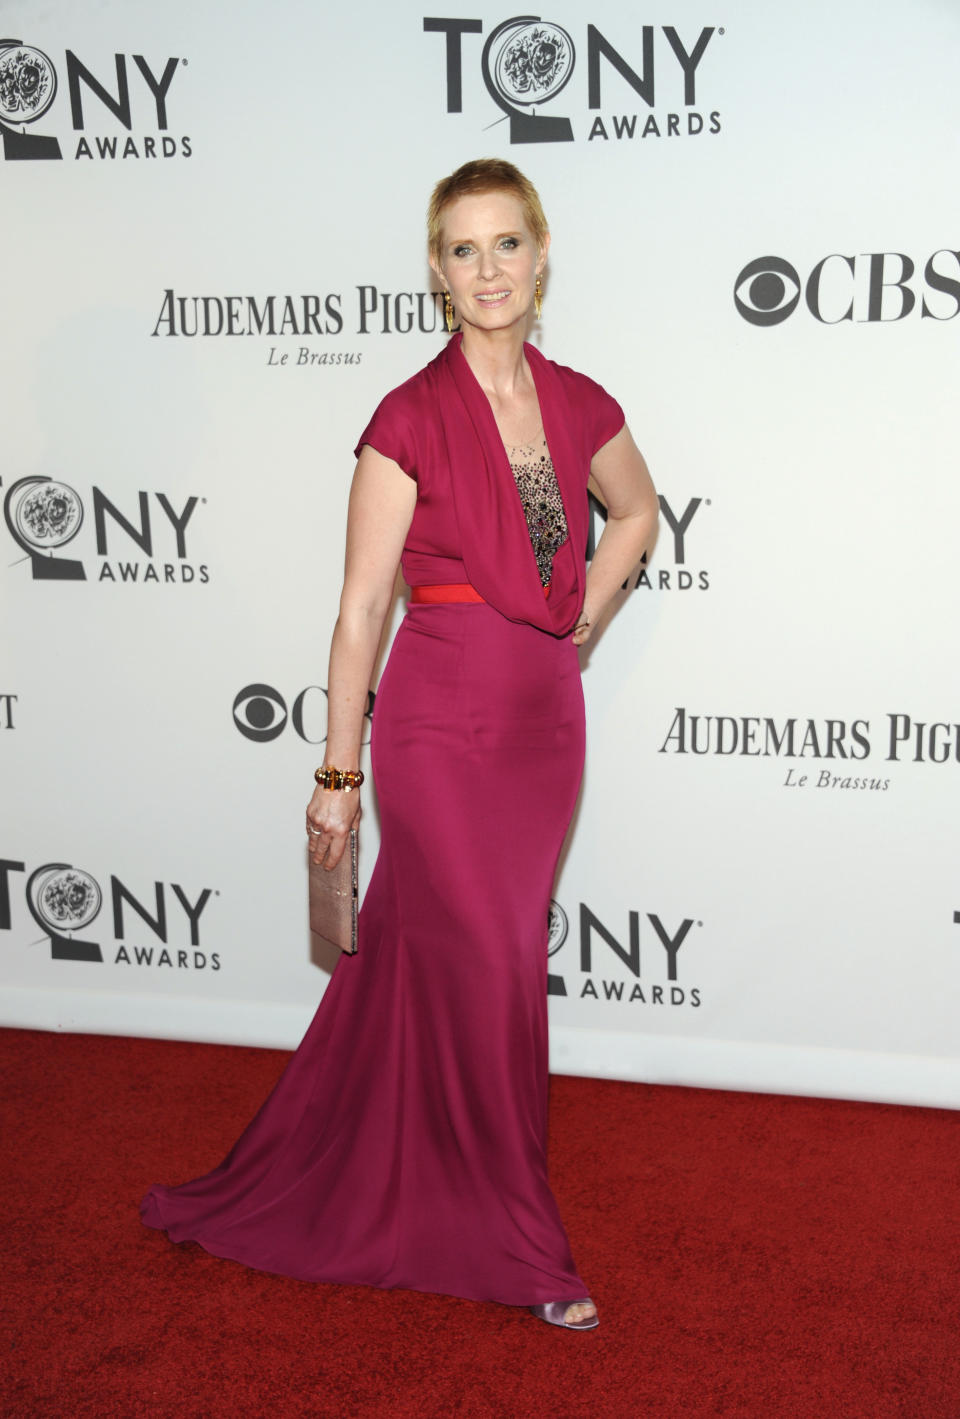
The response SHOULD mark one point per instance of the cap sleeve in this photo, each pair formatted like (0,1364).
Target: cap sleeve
(390,432)
(608,418)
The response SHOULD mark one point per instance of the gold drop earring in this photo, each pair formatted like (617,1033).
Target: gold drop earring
(538,296)
(448,311)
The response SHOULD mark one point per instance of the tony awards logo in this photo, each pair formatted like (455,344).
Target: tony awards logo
(62,899)
(28,86)
(65,900)
(526,62)
(42,515)
(557,928)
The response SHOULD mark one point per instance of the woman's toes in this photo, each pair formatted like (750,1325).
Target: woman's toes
(580,1310)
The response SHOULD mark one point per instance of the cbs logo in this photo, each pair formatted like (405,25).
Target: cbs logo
(872,287)
(260,713)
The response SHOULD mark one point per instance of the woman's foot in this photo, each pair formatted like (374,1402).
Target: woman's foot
(572,1315)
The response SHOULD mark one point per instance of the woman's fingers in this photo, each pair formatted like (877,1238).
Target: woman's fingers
(581,631)
(327,848)
(326,839)
(334,853)
(321,848)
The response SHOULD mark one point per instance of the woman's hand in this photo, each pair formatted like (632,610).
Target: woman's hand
(331,813)
(583,630)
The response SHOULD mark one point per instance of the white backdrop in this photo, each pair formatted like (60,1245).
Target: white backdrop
(161,717)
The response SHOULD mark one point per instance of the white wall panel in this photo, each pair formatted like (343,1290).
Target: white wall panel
(813,457)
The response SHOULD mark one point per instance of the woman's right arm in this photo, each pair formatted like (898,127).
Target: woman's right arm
(382,502)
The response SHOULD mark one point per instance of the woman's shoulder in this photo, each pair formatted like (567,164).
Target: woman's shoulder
(596,412)
(574,382)
(398,423)
(413,392)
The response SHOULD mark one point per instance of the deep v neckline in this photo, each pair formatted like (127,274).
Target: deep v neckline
(496,545)
(542,432)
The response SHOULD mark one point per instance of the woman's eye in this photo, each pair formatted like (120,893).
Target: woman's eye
(462,250)
(509,242)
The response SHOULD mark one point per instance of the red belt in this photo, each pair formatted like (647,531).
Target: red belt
(454,591)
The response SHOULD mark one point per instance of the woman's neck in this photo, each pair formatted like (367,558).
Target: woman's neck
(497,360)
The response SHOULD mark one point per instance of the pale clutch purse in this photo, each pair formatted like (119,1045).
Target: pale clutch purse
(333,899)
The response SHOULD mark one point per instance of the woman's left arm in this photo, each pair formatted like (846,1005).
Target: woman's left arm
(620,478)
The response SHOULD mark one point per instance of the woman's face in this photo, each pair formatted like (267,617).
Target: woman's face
(489,260)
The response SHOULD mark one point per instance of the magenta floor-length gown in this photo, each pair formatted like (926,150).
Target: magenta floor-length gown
(405,1143)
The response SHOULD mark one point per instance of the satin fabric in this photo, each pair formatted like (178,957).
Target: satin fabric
(460,592)
(502,566)
(405,1143)
(469,524)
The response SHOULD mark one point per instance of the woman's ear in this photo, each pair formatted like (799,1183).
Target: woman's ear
(544,248)
(437,270)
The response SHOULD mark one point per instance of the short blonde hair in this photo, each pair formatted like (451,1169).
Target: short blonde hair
(477,177)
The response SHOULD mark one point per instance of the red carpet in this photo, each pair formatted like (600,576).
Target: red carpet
(752,1257)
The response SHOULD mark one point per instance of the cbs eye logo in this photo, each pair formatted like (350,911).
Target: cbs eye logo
(260,713)
(763,293)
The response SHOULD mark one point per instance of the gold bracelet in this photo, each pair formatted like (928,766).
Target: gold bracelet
(344,779)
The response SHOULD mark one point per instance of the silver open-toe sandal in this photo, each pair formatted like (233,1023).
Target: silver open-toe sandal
(553,1313)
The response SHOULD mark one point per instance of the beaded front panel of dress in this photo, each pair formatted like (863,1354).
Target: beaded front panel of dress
(536,482)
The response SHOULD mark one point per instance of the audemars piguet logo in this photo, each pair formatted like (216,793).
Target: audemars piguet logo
(306,330)
(820,752)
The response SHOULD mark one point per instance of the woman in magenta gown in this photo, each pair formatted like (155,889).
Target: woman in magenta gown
(405,1143)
